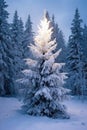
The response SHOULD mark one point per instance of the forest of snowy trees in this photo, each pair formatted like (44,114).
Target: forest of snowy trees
(44,67)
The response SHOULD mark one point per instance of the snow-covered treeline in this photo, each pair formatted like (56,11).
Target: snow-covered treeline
(15,39)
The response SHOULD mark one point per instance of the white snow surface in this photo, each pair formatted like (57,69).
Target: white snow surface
(12,117)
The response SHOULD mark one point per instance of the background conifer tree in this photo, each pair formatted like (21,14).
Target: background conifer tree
(75,57)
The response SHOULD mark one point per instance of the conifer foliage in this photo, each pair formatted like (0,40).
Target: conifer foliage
(44,81)
(58,34)
(75,57)
(28,37)
(5,51)
(17,37)
(84,45)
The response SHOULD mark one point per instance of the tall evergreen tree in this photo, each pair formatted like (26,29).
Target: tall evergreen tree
(17,44)
(58,34)
(28,37)
(44,80)
(75,56)
(5,50)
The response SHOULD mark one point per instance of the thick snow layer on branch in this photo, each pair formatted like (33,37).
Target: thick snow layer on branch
(44,92)
(57,66)
(30,74)
(30,62)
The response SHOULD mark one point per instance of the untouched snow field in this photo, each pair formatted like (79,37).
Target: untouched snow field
(12,118)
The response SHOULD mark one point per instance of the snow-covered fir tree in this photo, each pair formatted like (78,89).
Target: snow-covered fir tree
(17,33)
(58,34)
(75,62)
(28,37)
(5,51)
(43,80)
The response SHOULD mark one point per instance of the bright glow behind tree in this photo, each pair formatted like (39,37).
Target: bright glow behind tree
(43,43)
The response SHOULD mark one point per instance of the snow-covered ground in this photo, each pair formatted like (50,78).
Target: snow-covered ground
(12,118)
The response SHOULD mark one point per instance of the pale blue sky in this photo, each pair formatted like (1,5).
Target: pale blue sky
(62,9)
